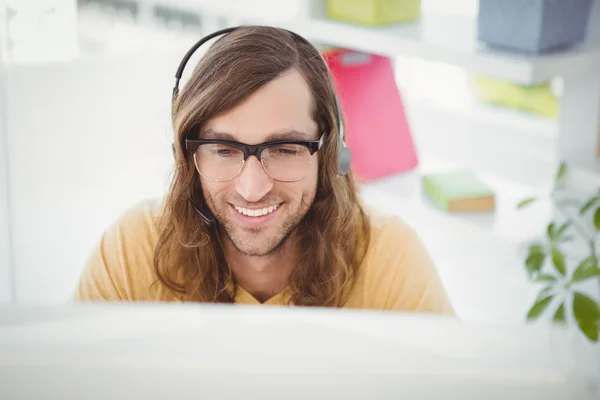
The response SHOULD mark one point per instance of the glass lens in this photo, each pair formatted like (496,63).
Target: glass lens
(219,162)
(286,162)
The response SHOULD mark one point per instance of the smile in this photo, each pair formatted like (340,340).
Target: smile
(259,212)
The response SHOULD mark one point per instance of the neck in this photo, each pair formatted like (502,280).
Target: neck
(262,276)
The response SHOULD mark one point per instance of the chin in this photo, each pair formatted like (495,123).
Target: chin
(265,239)
(250,245)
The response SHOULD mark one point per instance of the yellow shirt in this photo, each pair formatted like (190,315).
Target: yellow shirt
(397,272)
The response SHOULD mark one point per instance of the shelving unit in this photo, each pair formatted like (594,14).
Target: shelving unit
(446,38)
(449,39)
(452,40)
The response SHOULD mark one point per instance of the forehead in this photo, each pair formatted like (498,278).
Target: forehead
(283,105)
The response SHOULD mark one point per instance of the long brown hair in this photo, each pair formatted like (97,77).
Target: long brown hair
(189,259)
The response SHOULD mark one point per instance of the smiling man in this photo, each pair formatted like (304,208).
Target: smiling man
(260,208)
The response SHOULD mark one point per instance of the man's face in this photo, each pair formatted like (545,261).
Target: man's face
(281,110)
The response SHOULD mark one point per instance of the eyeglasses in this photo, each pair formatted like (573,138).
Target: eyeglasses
(223,160)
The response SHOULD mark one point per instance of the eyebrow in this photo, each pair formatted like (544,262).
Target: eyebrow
(276,136)
(210,134)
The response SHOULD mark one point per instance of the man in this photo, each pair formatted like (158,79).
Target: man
(258,211)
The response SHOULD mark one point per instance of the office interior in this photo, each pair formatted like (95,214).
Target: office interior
(86,86)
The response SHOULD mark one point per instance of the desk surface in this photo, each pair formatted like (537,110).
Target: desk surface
(184,350)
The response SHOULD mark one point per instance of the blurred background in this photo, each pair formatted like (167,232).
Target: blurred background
(466,108)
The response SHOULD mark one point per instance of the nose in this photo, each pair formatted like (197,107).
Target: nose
(253,183)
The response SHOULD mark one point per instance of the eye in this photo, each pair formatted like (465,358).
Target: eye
(287,151)
(220,151)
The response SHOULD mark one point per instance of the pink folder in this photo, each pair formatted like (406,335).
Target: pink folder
(377,131)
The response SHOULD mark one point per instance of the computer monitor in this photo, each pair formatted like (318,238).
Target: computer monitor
(193,351)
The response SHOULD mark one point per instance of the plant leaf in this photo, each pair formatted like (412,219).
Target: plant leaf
(588,205)
(562,172)
(536,248)
(587,315)
(538,307)
(545,278)
(552,231)
(563,228)
(587,269)
(526,202)
(597,219)
(535,259)
(558,259)
(559,315)
(545,292)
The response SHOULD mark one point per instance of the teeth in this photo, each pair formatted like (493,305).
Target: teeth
(256,213)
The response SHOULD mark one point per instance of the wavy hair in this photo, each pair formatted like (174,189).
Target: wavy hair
(334,234)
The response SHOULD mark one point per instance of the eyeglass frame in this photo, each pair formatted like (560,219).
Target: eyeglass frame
(192,145)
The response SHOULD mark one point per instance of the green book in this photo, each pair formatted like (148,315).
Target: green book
(459,191)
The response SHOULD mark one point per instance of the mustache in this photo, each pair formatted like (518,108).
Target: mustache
(262,203)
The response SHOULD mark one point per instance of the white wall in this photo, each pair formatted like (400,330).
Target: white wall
(5,258)
(87,138)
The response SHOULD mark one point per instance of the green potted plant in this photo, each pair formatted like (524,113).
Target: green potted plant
(565,262)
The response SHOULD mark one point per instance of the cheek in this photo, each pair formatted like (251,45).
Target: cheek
(308,186)
(213,190)
(297,192)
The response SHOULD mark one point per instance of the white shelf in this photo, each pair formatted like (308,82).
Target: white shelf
(445,38)
(452,40)
(480,245)
(503,117)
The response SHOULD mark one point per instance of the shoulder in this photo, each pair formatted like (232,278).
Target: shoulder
(136,229)
(393,244)
(120,265)
(388,231)
(130,240)
(398,271)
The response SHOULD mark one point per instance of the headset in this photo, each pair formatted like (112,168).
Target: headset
(344,156)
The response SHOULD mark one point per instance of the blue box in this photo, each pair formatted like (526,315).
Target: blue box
(533,26)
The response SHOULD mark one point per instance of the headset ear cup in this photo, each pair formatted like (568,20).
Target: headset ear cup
(344,161)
